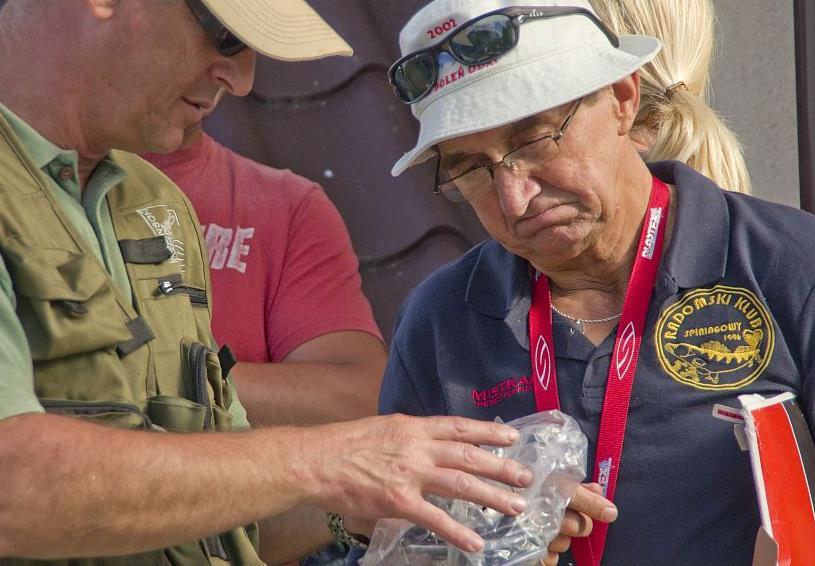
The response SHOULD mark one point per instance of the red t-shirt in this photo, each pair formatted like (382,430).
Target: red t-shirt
(283,268)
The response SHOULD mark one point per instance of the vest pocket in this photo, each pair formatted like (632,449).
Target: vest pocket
(109,413)
(222,419)
(176,414)
(202,370)
(206,396)
(65,301)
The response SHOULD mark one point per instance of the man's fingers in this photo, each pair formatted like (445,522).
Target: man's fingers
(444,526)
(461,485)
(560,544)
(575,524)
(470,431)
(593,504)
(474,460)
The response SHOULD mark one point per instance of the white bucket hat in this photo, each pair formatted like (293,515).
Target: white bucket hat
(557,60)
(284,29)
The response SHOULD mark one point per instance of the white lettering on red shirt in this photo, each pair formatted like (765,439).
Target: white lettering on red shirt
(227,246)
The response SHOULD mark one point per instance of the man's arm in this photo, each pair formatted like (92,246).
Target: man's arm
(77,489)
(333,377)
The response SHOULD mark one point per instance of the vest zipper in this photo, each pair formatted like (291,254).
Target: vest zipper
(198,373)
(175,284)
(198,297)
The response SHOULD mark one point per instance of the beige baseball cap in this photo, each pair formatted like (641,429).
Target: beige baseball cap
(283,29)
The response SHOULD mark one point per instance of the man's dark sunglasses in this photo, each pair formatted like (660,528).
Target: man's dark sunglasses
(225,41)
(477,42)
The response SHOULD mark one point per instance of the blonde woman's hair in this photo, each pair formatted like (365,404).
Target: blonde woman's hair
(674,113)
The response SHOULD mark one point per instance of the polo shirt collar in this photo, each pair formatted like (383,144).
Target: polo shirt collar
(697,255)
(40,150)
(498,282)
(698,250)
(51,159)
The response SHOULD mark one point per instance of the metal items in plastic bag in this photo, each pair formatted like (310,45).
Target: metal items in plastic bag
(554,448)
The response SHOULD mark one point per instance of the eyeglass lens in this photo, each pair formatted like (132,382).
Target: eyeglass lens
(453,182)
(485,39)
(415,76)
(227,43)
(475,44)
(520,159)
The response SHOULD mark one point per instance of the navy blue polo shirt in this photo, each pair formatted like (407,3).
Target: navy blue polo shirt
(732,313)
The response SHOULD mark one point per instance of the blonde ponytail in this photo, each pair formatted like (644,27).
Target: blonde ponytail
(673,109)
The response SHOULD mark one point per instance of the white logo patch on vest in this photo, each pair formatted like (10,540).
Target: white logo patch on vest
(714,339)
(161,219)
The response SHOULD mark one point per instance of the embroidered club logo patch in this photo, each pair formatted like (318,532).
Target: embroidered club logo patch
(162,220)
(714,339)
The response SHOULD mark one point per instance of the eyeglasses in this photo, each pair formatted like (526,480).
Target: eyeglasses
(225,41)
(479,41)
(457,185)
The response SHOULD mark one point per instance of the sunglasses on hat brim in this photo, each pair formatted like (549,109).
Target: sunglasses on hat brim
(477,42)
(226,42)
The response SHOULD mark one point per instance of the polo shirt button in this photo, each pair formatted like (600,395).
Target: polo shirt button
(66,173)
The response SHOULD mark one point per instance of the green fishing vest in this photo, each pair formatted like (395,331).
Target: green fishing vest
(97,355)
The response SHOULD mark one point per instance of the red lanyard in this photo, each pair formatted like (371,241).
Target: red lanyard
(589,551)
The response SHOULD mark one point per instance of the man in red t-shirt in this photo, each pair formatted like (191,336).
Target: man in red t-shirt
(287,295)
(287,299)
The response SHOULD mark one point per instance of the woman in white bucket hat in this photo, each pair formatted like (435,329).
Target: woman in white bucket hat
(633,297)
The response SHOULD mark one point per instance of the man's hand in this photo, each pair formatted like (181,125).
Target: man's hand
(384,466)
(587,505)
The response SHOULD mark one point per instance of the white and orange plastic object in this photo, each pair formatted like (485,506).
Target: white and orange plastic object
(783,459)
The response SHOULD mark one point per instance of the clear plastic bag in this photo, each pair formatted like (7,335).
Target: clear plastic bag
(553,446)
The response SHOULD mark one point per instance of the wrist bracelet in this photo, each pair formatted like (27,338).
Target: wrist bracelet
(343,535)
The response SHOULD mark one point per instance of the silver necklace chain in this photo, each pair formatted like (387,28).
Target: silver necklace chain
(581,321)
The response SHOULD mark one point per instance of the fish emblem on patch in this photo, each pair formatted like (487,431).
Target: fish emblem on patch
(716,338)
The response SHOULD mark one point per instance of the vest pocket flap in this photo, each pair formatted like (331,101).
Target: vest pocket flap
(52,274)
(65,301)
(110,413)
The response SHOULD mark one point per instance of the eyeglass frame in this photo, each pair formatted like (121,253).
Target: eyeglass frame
(517,16)
(555,136)
(215,29)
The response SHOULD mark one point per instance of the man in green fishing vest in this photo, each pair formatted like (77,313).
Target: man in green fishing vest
(115,405)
